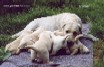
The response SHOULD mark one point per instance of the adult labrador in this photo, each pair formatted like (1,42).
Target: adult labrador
(65,22)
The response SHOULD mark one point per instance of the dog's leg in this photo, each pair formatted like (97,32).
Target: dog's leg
(93,38)
(58,33)
(17,34)
(44,55)
(18,51)
(85,49)
(74,51)
(22,44)
(33,55)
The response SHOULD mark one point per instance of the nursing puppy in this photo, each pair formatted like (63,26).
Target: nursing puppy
(42,47)
(48,42)
(73,43)
(65,22)
(13,46)
(26,40)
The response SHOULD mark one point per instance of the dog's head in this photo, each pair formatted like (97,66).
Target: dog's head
(72,28)
(70,40)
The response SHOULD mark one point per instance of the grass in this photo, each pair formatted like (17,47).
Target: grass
(90,11)
(98,54)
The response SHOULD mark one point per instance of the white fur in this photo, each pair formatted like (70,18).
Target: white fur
(13,46)
(26,40)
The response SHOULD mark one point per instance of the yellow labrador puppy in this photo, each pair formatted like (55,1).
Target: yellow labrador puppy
(73,43)
(42,47)
(48,42)
(13,46)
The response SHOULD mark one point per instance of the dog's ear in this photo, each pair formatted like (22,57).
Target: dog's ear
(63,27)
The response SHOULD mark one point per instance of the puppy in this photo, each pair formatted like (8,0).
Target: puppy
(13,46)
(48,42)
(59,42)
(42,47)
(73,43)
(65,22)
(26,40)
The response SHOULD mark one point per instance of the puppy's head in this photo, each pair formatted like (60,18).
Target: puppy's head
(72,28)
(69,39)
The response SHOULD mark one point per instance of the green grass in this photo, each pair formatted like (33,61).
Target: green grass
(10,24)
(3,55)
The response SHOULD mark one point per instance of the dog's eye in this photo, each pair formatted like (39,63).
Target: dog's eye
(67,31)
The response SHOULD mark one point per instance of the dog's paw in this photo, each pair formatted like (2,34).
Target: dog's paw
(13,36)
(95,39)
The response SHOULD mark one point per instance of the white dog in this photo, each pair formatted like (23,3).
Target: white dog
(42,48)
(65,22)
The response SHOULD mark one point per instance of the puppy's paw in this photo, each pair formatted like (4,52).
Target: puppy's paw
(54,64)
